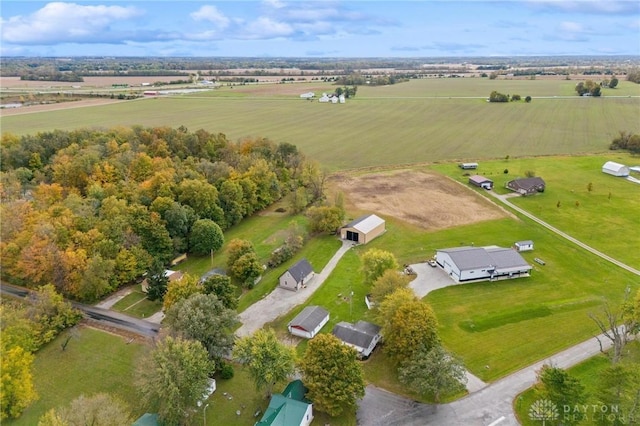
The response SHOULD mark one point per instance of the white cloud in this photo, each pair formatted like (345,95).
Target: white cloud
(264,28)
(211,14)
(613,7)
(64,22)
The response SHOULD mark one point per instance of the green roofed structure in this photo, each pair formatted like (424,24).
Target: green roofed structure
(147,419)
(289,408)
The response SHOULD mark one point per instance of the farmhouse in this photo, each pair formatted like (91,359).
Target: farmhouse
(296,276)
(363,336)
(171,275)
(289,408)
(482,263)
(526,245)
(308,322)
(527,186)
(468,166)
(363,229)
(615,169)
(481,181)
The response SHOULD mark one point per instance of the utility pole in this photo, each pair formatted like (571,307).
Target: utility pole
(204,415)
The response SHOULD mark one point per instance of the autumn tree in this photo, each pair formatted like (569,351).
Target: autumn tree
(386,284)
(325,219)
(16,381)
(181,289)
(268,360)
(333,375)
(433,372)
(407,324)
(243,264)
(173,378)
(375,262)
(221,287)
(205,237)
(50,313)
(237,248)
(203,317)
(100,409)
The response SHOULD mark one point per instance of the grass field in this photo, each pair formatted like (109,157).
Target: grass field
(587,372)
(85,367)
(137,305)
(417,117)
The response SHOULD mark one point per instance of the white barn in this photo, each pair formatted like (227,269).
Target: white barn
(308,322)
(615,169)
(482,263)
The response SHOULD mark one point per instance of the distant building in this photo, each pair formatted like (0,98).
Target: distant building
(615,169)
(468,166)
(527,186)
(296,276)
(363,229)
(481,181)
(308,322)
(526,245)
(308,95)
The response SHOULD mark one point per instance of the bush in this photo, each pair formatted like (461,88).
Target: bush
(226,371)
(506,171)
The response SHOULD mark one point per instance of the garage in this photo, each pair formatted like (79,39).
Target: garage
(363,229)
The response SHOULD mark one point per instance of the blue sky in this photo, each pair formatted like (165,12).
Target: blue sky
(277,28)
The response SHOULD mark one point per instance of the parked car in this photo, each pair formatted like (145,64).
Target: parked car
(432,263)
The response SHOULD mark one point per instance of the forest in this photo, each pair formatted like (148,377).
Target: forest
(90,210)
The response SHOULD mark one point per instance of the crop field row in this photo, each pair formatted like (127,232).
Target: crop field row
(373,132)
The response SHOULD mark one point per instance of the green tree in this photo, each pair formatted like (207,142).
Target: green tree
(387,283)
(181,289)
(268,360)
(559,387)
(527,99)
(407,324)
(619,386)
(237,248)
(157,281)
(16,381)
(433,372)
(101,409)
(204,318)
(50,313)
(613,83)
(333,375)
(174,377)
(325,219)
(206,236)
(375,262)
(498,97)
(221,286)
(202,197)
(247,269)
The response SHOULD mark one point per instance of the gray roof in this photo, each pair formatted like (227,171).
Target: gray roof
(300,270)
(359,334)
(365,223)
(525,243)
(526,183)
(467,258)
(479,179)
(309,318)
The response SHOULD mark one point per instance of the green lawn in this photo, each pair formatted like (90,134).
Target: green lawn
(137,305)
(587,372)
(85,367)
(423,119)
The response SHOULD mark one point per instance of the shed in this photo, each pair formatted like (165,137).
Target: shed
(363,336)
(308,322)
(296,276)
(289,408)
(527,186)
(308,95)
(526,245)
(468,166)
(481,181)
(363,229)
(615,169)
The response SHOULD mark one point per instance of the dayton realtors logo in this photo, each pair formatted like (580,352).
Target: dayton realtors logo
(543,410)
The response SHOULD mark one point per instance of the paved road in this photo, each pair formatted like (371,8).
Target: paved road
(281,301)
(114,319)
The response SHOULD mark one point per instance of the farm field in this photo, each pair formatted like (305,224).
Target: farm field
(603,217)
(419,127)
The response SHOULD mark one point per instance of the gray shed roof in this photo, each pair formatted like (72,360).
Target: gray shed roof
(359,334)
(300,270)
(365,223)
(526,183)
(477,257)
(309,318)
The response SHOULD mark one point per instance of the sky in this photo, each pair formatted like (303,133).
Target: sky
(328,28)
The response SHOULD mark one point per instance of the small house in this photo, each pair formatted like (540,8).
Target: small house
(363,229)
(527,186)
(615,169)
(481,182)
(363,336)
(324,98)
(468,166)
(289,408)
(308,322)
(296,276)
(526,245)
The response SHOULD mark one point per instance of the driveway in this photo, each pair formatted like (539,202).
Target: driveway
(281,301)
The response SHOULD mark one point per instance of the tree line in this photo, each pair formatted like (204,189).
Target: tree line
(89,210)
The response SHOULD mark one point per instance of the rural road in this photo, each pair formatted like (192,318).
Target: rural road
(281,301)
